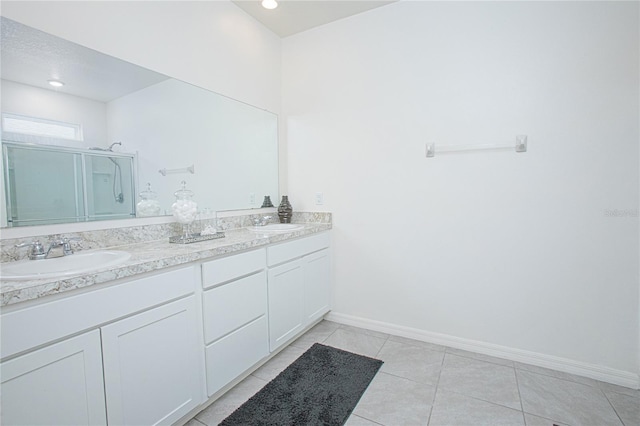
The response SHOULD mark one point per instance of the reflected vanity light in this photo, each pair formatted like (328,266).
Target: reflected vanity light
(56,83)
(269,4)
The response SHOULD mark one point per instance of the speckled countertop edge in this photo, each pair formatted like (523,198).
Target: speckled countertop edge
(148,257)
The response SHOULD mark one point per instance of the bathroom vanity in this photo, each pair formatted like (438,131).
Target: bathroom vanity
(158,338)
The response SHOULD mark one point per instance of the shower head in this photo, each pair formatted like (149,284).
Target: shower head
(97,148)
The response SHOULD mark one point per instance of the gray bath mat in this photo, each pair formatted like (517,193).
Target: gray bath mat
(322,387)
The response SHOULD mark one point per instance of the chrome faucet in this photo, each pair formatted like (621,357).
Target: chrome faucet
(57,248)
(261,221)
(36,250)
(60,248)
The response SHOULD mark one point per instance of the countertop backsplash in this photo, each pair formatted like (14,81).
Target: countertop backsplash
(105,238)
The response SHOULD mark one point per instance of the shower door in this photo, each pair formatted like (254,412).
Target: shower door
(49,185)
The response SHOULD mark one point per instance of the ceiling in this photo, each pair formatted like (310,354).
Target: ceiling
(32,57)
(294,16)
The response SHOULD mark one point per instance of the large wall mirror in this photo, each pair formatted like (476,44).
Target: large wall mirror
(138,130)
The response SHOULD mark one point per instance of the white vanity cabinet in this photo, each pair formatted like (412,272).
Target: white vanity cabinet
(141,335)
(235,316)
(298,286)
(153,349)
(60,384)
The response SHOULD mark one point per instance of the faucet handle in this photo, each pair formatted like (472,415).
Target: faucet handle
(36,249)
(66,245)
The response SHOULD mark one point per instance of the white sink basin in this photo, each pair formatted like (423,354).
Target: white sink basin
(59,267)
(276,227)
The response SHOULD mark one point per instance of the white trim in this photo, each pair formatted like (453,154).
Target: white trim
(593,371)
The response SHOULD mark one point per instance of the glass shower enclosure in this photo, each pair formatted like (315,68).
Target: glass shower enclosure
(51,184)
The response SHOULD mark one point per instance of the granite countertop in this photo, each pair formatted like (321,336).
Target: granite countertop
(151,256)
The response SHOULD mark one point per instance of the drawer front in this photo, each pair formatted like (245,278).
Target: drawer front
(228,268)
(232,355)
(283,252)
(37,325)
(232,305)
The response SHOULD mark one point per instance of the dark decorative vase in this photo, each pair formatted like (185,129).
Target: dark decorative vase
(267,202)
(285,211)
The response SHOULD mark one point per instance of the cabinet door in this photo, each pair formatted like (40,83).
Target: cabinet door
(317,292)
(286,302)
(153,369)
(60,384)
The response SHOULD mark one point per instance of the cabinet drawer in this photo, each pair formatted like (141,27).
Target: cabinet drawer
(235,353)
(232,305)
(298,248)
(226,269)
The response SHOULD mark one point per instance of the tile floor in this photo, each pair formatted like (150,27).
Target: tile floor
(425,384)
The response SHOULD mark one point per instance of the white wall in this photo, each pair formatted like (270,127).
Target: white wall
(509,249)
(219,136)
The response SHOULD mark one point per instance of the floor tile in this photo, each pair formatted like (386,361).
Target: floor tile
(229,402)
(568,402)
(354,420)
(532,420)
(481,357)
(627,407)
(358,343)
(557,374)
(317,334)
(278,363)
(608,387)
(451,408)
(366,331)
(193,422)
(391,400)
(479,379)
(411,362)
(413,342)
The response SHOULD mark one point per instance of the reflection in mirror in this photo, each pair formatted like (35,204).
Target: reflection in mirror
(47,185)
(106,102)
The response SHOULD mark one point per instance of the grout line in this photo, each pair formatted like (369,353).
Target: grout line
(406,378)
(417,345)
(558,378)
(555,422)
(515,374)
(480,359)
(612,406)
(363,417)
(433,400)
(382,346)
(483,400)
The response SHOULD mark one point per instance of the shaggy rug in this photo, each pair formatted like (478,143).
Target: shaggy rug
(322,387)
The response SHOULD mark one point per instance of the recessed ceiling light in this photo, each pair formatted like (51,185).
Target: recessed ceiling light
(56,83)
(269,4)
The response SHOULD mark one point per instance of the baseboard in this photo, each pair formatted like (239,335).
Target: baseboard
(597,372)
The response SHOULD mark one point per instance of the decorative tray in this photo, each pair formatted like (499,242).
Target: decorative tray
(195,238)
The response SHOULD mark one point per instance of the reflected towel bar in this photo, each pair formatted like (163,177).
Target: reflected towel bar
(520,146)
(191,169)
